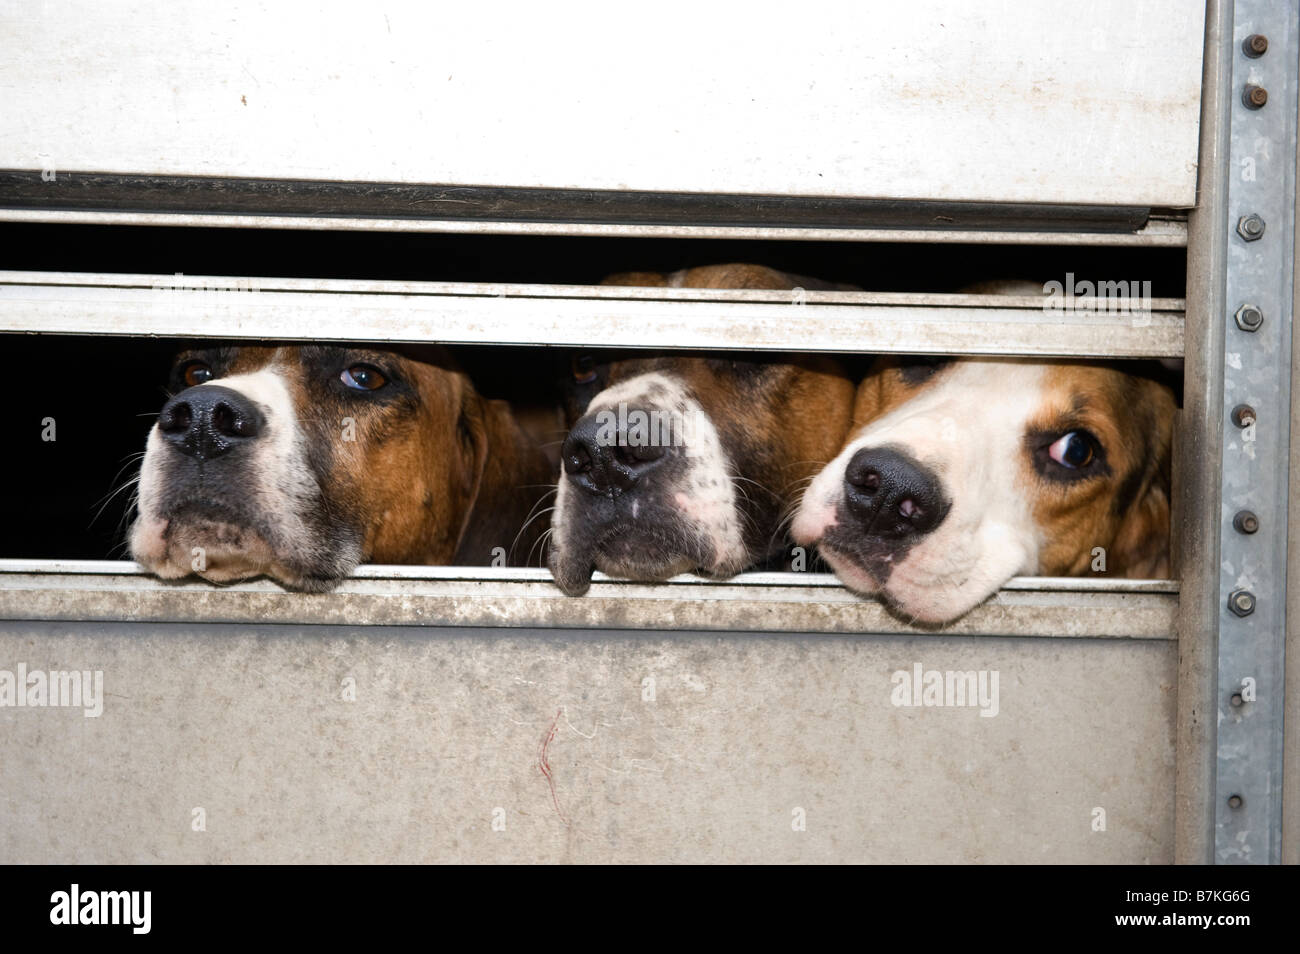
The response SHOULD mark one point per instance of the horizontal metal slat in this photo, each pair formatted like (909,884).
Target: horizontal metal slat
(1157,233)
(590,316)
(460,596)
(78,190)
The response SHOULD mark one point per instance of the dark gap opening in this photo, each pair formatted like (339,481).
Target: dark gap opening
(103,393)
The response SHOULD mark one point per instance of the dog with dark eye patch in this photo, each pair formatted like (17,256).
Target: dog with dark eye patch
(684,462)
(301,462)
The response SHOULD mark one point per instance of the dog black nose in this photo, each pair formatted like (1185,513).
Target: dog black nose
(208,421)
(606,458)
(892,495)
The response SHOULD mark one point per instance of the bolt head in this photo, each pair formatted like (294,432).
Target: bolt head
(1243,415)
(1241,602)
(1254,97)
(1236,701)
(1235,801)
(1249,317)
(1250,227)
(1245,522)
(1255,45)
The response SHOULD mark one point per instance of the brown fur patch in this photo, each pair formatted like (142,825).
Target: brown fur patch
(1125,508)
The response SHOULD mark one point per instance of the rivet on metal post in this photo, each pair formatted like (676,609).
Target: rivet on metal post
(1236,701)
(1244,521)
(1250,227)
(1255,45)
(1241,602)
(1254,97)
(1235,801)
(1243,415)
(1249,317)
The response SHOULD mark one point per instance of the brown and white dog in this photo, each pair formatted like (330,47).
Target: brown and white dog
(683,462)
(301,462)
(963,473)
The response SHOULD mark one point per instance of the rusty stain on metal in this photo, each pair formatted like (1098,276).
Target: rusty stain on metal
(545,766)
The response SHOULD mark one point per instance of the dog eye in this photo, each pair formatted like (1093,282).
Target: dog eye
(584,368)
(362,377)
(196,372)
(1074,450)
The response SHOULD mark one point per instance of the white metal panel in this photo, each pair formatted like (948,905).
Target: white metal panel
(1047,101)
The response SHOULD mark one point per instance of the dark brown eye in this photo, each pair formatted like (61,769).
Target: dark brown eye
(195,372)
(1074,450)
(584,368)
(362,377)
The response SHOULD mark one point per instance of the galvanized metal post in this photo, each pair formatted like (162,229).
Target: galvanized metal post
(1291,718)
(1198,465)
(1255,322)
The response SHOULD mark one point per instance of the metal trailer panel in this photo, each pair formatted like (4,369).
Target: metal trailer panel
(1198,461)
(1291,681)
(1191,833)
(582,747)
(1255,461)
(1094,104)
(1290,835)
(465,596)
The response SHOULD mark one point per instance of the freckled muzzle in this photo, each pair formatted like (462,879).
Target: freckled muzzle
(617,509)
(646,490)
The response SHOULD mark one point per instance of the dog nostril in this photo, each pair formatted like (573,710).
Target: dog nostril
(909,509)
(223,419)
(577,459)
(175,418)
(634,455)
(228,421)
(585,460)
(867,481)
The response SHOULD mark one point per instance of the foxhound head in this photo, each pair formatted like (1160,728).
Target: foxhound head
(679,462)
(301,462)
(963,473)
(689,463)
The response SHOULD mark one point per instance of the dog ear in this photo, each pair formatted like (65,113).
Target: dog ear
(1140,549)
(471,459)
